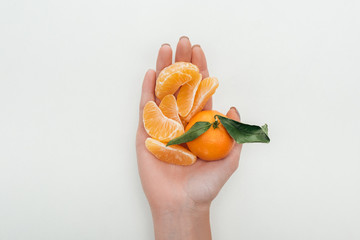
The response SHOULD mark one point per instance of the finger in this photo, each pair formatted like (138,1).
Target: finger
(183,50)
(164,58)
(198,58)
(148,89)
(233,158)
(233,113)
(208,105)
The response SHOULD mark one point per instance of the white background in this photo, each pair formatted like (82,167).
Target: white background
(70,78)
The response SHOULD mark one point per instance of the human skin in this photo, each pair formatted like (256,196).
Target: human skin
(180,196)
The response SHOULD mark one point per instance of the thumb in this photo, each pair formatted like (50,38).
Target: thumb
(232,159)
(233,113)
(147,94)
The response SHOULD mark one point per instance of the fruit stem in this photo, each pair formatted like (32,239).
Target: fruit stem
(216,123)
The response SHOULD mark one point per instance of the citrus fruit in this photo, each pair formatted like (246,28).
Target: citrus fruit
(159,126)
(206,89)
(169,108)
(173,76)
(186,96)
(172,154)
(215,143)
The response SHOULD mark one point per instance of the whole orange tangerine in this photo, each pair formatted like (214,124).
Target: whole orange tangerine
(215,143)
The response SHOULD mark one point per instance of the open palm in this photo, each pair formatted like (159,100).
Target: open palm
(173,186)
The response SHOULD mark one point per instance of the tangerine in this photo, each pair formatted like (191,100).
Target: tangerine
(215,143)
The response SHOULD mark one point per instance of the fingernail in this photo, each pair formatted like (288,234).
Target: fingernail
(236,111)
(196,45)
(165,44)
(184,37)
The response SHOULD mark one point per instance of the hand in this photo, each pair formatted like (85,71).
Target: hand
(180,196)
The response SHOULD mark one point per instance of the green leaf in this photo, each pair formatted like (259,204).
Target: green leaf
(265,128)
(195,131)
(244,133)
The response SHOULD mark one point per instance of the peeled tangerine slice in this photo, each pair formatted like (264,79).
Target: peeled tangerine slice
(169,108)
(186,95)
(158,126)
(206,89)
(173,76)
(174,154)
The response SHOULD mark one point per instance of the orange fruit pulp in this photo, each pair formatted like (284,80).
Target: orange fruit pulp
(186,96)
(174,76)
(174,154)
(214,144)
(158,126)
(206,89)
(169,108)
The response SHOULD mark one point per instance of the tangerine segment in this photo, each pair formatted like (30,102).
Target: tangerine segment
(169,108)
(158,126)
(174,154)
(173,76)
(186,95)
(215,143)
(206,89)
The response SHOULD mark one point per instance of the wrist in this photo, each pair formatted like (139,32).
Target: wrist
(187,221)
